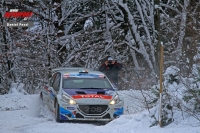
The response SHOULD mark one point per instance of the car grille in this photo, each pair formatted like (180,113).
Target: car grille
(93,109)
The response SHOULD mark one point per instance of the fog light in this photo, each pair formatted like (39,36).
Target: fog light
(115,116)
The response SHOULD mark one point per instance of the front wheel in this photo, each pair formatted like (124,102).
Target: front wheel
(57,112)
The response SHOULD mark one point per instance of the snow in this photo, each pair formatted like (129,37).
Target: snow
(88,24)
(60,31)
(21,113)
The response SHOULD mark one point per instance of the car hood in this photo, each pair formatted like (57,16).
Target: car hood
(91,95)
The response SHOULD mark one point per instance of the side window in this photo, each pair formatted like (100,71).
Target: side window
(52,79)
(56,82)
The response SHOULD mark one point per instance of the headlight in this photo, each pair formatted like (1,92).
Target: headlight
(67,99)
(115,100)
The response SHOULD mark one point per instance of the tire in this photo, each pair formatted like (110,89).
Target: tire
(41,96)
(57,113)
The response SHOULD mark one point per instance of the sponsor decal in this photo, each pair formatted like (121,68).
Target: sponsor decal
(46,88)
(92,96)
(66,75)
(83,71)
(116,109)
(119,111)
(52,95)
(101,76)
(93,118)
(71,108)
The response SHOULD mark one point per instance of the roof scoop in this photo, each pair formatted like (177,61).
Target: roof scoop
(80,92)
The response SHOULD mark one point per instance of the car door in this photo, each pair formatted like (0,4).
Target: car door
(47,89)
(54,89)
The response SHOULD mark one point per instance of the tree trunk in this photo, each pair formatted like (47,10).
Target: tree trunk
(157,28)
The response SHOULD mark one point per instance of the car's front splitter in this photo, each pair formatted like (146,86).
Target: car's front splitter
(74,114)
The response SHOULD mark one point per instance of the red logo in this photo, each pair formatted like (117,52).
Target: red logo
(92,96)
(15,14)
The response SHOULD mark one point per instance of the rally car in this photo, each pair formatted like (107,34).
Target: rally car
(82,94)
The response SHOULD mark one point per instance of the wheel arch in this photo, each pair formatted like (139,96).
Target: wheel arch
(55,100)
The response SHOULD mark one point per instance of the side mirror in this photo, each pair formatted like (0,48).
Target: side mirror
(115,87)
(50,82)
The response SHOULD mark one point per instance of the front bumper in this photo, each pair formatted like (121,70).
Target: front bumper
(91,112)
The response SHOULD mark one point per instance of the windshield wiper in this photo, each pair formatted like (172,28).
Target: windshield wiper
(90,88)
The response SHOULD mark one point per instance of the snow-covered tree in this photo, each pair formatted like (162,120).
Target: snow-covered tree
(84,32)
(6,53)
(180,28)
(121,29)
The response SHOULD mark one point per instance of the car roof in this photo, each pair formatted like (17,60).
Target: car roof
(75,70)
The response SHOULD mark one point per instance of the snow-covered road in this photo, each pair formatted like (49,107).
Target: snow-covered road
(25,114)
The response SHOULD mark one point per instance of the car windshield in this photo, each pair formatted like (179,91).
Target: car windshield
(86,83)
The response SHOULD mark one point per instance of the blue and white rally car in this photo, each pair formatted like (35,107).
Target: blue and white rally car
(82,94)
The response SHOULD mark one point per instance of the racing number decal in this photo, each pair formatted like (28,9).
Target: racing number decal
(93,109)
